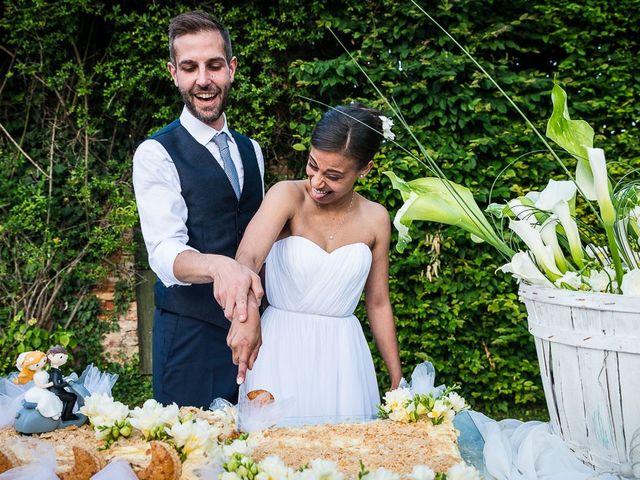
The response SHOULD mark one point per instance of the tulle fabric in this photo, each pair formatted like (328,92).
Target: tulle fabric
(11,396)
(41,458)
(314,354)
(515,450)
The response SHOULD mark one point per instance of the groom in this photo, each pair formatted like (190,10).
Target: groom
(197,184)
(57,356)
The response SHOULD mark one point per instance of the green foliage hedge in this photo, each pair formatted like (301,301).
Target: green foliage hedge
(84,82)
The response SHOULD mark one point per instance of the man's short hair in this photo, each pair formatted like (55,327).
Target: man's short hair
(56,349)
(194,22)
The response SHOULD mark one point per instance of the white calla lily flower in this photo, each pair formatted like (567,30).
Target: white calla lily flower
(598,166)
(542,253)
(556,198)
(523,269)
(549,236)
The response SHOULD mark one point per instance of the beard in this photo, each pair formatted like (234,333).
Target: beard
(207,114)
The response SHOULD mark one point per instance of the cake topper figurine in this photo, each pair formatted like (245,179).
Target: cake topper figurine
(48,404)
(57,356)
(28,364)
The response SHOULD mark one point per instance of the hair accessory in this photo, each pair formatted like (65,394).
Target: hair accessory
(387,123)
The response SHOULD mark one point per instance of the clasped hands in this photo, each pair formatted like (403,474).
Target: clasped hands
(238,290)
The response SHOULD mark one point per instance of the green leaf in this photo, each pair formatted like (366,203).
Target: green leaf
(575,136)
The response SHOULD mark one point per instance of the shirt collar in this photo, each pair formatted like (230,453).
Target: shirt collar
(202,132)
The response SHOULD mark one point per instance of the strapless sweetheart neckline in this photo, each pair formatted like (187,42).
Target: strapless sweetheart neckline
(326,251)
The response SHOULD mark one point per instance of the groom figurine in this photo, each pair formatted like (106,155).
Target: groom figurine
(57,356)
(197,184)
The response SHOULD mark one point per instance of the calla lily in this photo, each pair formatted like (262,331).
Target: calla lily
(575,136)
(542,253)
(631,283)
(524,209)
(557,198)
(598,166)
(550,238)
(523,269)
(438,200)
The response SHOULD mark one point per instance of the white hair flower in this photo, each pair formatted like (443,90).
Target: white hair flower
(387,123)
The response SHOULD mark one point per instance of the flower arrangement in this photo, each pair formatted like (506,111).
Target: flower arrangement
(190,436)
(547,243)
(554,251)
(403,405)
(110,419)
(243,467)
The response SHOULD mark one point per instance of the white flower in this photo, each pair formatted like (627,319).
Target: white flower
(229,476)
(456,401)
(422,472)
(397,398)
(599,280)
(400,414)
(194,436)
(387,123)
(462,471)
(543,253)
(273,468)
(631,283)
(323,470)
(439,409)
(102,410)
(523,268)
(237,446)
(381,474)
(570,280)
(598,166)
(153,415)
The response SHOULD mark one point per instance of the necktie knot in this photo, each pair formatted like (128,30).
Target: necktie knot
(229,168)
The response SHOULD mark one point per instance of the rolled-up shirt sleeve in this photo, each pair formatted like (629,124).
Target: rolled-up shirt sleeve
(162,210)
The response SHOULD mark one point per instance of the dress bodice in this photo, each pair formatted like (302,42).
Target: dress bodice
(303,277)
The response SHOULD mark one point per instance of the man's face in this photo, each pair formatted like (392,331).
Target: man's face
(57,359)
(203,75)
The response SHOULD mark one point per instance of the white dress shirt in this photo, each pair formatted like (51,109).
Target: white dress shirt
(162,209)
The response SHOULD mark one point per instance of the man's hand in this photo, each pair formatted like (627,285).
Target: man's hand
(244,339)
(232,284)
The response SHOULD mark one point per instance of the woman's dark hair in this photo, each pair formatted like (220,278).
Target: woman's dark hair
(353,130)
(194,22)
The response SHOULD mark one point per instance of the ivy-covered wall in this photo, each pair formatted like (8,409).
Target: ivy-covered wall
(83,82)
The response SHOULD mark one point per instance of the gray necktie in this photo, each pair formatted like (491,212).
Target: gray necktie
(229,168)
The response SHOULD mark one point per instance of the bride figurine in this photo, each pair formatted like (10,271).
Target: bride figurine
(47,403)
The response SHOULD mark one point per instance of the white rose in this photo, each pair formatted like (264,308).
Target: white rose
(462,471)
(631,283)
(422,472)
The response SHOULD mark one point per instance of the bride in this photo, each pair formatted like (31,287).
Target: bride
(324,244)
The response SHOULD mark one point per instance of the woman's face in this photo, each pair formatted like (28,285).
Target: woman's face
(331,175)
(38,365)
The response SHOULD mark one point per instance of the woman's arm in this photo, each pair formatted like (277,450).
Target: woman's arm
(40,382)
(277,208)
(377,300)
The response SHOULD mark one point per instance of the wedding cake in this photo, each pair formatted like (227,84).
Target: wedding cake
(164,442)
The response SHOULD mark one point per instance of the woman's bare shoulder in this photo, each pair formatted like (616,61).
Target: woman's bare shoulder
(287,190)
(374,210)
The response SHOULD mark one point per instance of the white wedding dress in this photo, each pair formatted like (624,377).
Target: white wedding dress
(314,354)
(48,404)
